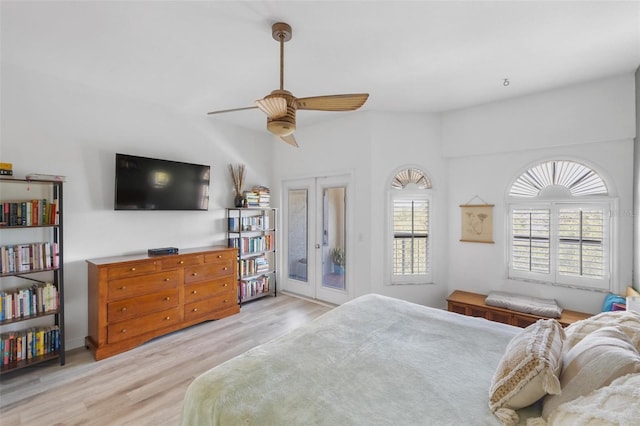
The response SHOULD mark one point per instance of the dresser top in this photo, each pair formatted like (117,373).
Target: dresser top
(144,256)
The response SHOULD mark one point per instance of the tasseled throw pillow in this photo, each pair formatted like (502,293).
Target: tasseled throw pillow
(528,370)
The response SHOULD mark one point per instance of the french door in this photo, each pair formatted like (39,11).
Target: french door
(316,244)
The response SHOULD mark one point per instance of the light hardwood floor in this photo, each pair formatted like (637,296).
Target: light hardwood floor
(144,386)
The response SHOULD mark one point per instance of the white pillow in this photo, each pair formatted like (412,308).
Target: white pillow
(628,321)
(616,404)
(528,369)
(594,362)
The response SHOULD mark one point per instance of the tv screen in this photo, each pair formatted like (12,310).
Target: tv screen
(151,184)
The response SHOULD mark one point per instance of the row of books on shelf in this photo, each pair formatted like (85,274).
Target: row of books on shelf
(6,169)
(249,223)
(252,266)
(29,213)
(20,303)
(23,345)
(29,257)
(255,287)
(248,245)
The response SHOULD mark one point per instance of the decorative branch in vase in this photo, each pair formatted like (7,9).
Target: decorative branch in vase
(237,176)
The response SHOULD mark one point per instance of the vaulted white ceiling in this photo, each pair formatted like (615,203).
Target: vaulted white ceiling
(419,56)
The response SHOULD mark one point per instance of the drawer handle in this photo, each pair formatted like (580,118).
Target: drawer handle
(133,269)
(181,262)
(167,298)
(194,310)
(124,330)
(124,287)
(225,268)
(124,309)
(225,285)
(219,256)
(194,274)
(194,291)
(167,318)
(167,279)
(225,301)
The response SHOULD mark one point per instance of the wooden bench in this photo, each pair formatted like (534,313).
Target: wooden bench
(472,304)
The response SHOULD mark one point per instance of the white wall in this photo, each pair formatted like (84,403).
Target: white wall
(339,146)
(399,140)
(515,134)
(371,146)
(56,127)
(53,126)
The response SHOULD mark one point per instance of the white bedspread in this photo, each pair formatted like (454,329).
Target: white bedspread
(372,361)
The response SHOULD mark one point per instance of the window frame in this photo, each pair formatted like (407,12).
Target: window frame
(606,203)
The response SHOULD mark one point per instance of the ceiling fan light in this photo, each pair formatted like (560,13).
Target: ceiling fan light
(272,106)
(281,128)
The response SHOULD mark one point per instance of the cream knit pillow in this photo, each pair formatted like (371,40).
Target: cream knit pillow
(594,362)
(628,321)
(613,405)
(528,369)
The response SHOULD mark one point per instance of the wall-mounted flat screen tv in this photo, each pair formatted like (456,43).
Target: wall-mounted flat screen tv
(152,184)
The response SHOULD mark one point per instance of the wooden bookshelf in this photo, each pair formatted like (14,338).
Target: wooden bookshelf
(252,231)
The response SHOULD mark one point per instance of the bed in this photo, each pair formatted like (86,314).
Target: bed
(372,361)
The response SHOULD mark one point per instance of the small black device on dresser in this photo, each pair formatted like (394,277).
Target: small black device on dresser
(163,251)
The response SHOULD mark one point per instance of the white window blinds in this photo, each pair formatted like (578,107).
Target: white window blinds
(410,237)
(562,243)
(531,249)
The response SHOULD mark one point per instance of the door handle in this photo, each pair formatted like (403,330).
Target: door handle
(317,246)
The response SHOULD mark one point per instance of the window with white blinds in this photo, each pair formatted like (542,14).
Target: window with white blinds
(410,237)
(562,243)
(581,237)
(560,226)
(530,241)
(409,249)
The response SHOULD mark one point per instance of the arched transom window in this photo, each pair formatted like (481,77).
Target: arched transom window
(576,178)
(409,225)
(559,226)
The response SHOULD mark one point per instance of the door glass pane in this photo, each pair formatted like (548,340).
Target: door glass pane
(298,232)
(333,238)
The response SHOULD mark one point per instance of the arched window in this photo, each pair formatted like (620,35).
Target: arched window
(560,226)
(409,225)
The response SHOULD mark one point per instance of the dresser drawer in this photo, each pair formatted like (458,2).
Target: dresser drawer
(131,287)
(131,269)
(223,256)
(207,306)
(180,261)
(208,272)
(130,328)
(206,289)
(141,305)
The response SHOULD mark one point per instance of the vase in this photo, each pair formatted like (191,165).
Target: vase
(238,201)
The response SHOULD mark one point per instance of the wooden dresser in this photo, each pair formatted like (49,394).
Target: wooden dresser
(133,299)
(472,304)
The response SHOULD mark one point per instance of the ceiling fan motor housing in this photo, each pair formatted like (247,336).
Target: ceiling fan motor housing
(284,125)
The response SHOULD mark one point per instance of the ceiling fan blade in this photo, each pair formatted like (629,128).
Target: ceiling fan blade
(290,140)
(231,110)
(345,102)
(274,107)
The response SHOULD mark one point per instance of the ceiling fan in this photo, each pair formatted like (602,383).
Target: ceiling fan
(281,106)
